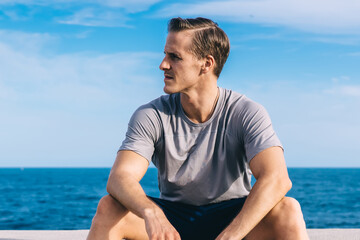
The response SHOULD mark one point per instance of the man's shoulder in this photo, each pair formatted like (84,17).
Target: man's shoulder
(240,102)
(165,104)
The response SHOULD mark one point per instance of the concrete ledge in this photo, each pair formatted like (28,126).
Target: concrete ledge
(315,234)
(334,234)
(43,235)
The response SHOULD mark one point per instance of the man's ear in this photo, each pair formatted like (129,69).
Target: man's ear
(208,64)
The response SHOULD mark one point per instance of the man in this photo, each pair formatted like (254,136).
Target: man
(205,142)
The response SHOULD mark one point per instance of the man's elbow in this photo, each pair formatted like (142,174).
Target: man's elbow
(281,183)
(289,184)
(108,188)
(110,183)
(286,184)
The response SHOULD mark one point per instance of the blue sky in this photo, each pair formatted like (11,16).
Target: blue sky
(72,73)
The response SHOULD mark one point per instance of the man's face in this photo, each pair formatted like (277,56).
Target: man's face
(181,68)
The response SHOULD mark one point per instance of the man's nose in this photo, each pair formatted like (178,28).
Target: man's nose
(164,65)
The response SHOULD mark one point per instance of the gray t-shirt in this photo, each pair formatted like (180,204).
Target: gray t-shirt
(206,162)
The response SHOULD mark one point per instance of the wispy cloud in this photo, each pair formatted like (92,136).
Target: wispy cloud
(344,90)
(343,86)
(321,16)
(26,42)
(340,79)
(82,96)
(14,15)
(334,39)
(350,90)
(313,118)
(77,75)
(27,75)
(128,5)
(296,37)
(95,18)
(138,5)
(95,13)
(354,54)
(83,34)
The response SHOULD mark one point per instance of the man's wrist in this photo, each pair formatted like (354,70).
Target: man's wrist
(151,212)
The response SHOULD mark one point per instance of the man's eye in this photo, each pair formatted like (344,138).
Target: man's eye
(174,56)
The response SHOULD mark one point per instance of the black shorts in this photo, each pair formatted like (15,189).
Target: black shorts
(200,222)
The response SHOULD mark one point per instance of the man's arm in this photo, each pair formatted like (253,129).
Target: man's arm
(272,183)
(124,186)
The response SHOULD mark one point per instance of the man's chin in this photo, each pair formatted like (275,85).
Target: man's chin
(168,90)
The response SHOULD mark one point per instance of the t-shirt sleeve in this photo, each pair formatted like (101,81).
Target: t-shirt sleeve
(143,132)
(258,133)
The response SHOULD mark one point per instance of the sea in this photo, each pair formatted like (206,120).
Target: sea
(66,198)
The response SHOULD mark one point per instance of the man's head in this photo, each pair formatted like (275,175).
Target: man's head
(208,39)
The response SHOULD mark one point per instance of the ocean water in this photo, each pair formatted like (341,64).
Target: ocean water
(66,198)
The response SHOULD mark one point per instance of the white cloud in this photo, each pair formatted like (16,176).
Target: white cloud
(27,73)
(75,105)
(334,39)
(323,16)
(346,90)
(83,34)
(6,94)
(354,54)
(317,128)
(12,14)
(128,5)
(321,38)
(95,18)
(343,86)
(95,13)
(26,42)
(340,79)
(350,90)
(78,76)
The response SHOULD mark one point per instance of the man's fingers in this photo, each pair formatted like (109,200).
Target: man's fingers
(158,227)
(164,234)
(165,237)
(158,237)
(172,235)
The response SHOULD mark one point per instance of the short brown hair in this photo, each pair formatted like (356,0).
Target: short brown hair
(208,39)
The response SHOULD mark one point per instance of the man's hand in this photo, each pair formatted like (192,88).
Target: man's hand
(158,227)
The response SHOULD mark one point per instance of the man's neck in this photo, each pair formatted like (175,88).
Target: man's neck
(199,103)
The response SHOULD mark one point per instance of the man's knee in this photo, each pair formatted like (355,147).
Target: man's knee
(288,214)
(109,208)
(289,204)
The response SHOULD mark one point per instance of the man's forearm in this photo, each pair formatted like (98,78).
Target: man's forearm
(129,193)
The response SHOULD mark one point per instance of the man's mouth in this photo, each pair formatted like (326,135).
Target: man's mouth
(168,76)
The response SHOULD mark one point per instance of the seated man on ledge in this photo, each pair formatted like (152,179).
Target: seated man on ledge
(205,141)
